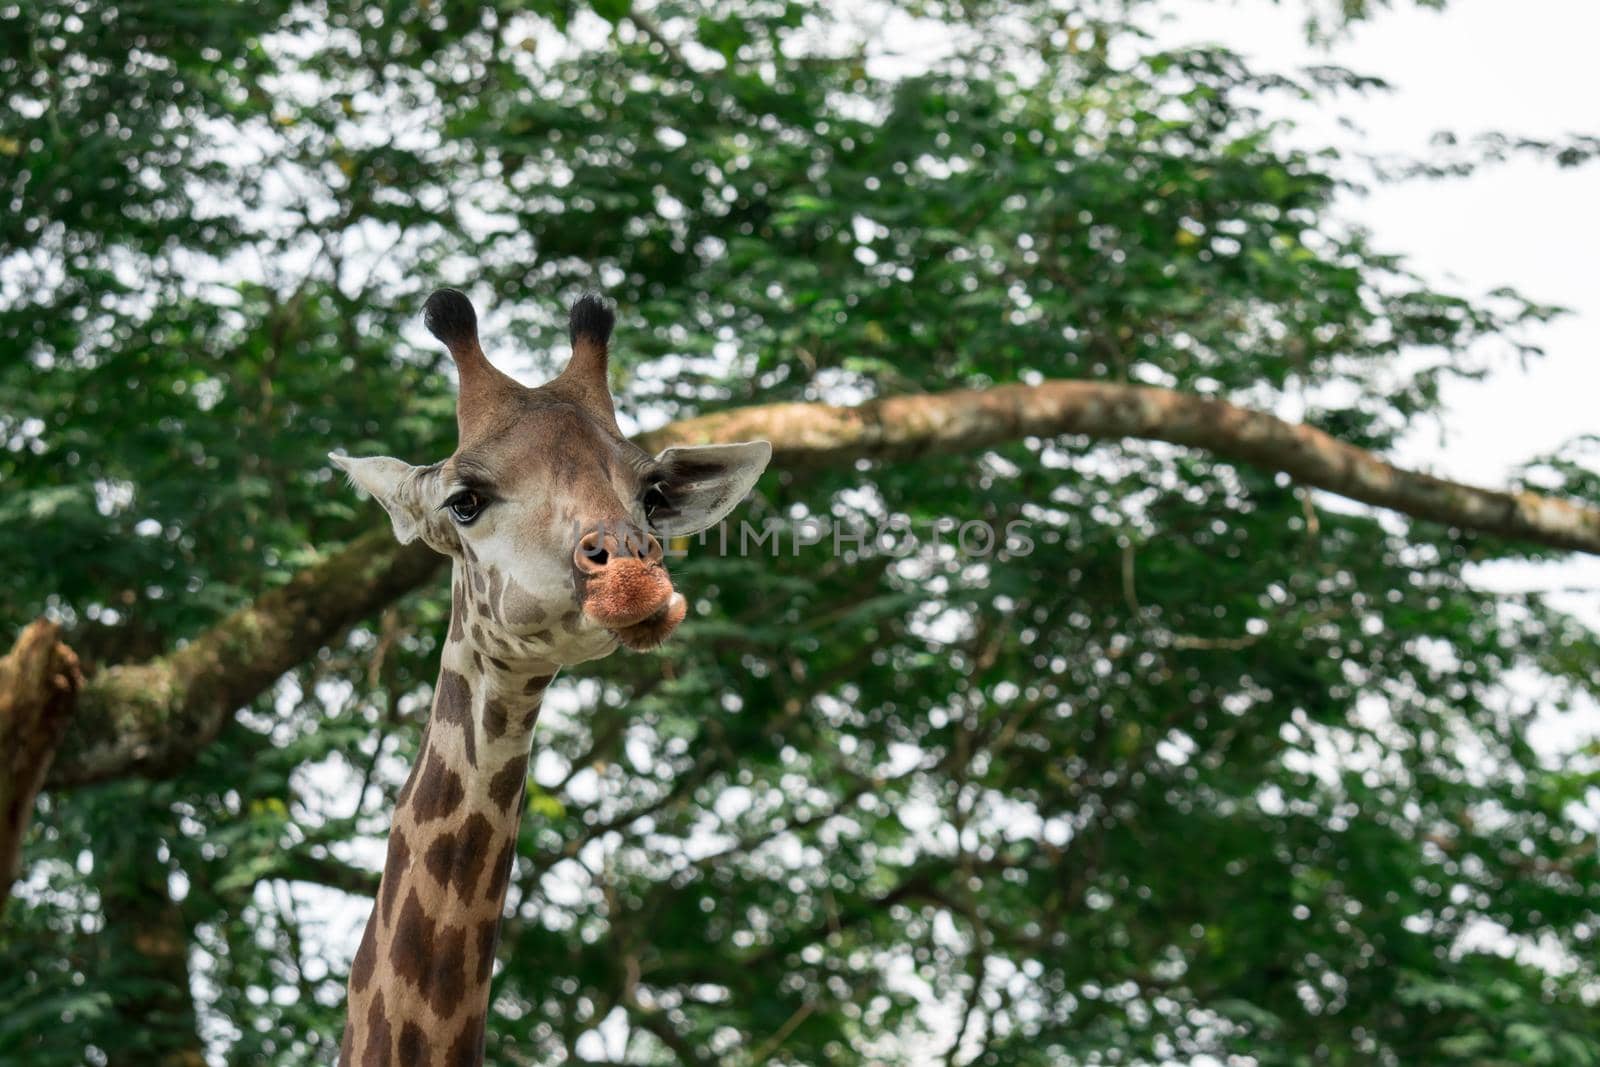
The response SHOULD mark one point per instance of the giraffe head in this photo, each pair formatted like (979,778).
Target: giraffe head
(551,515)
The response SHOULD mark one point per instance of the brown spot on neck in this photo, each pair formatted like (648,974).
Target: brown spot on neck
(380,1036)
(500,880)
(430,958)
(506,785)
(366,959)
(411,1047)
(452,704)
(445,982)
(495,715)
(456,859)
(394,869)
(439,791)
(412,944)
(488,937)
(458,610)
(467,1049)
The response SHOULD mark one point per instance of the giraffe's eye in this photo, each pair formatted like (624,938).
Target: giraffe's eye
(465,506)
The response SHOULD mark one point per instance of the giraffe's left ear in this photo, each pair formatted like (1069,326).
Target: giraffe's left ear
(393,484)
(695,488)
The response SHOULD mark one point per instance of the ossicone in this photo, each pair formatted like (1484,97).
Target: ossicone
(448,315)
(590,321)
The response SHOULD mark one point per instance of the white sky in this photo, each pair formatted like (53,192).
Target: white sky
(1479,65)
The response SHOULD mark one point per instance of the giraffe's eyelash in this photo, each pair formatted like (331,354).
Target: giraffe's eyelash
(479,487)
(484,496)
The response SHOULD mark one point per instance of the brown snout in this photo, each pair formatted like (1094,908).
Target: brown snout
(624,582)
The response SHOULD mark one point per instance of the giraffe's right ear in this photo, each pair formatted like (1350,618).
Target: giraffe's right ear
(391,483)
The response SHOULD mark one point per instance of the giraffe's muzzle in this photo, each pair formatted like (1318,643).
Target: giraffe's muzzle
(624,586)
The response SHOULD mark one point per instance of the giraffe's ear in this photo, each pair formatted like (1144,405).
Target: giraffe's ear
(695,488)
(391,483)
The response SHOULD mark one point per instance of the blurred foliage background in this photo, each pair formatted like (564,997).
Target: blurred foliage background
(1214,772)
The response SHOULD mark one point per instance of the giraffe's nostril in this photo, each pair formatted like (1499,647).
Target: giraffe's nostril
(601,546)
(593,552)
(652,548)
(635,543)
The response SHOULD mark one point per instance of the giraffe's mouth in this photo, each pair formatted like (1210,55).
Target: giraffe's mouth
(647,634)
(634,599)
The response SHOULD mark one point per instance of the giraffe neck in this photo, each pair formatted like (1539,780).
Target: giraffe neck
(419,986)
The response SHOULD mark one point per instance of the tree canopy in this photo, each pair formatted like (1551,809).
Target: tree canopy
(1215,769)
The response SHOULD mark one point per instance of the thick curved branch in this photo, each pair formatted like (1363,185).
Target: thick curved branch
(904,427)
(148,718)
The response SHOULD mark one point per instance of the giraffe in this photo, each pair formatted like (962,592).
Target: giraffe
(550,518)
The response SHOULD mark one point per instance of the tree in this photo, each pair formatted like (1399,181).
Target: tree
(1213,769)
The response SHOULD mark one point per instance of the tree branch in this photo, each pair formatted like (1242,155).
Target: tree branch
(149,718)
(39,678)
(904,427)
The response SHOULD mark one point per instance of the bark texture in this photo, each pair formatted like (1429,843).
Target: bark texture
(149,718)
(39,681)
